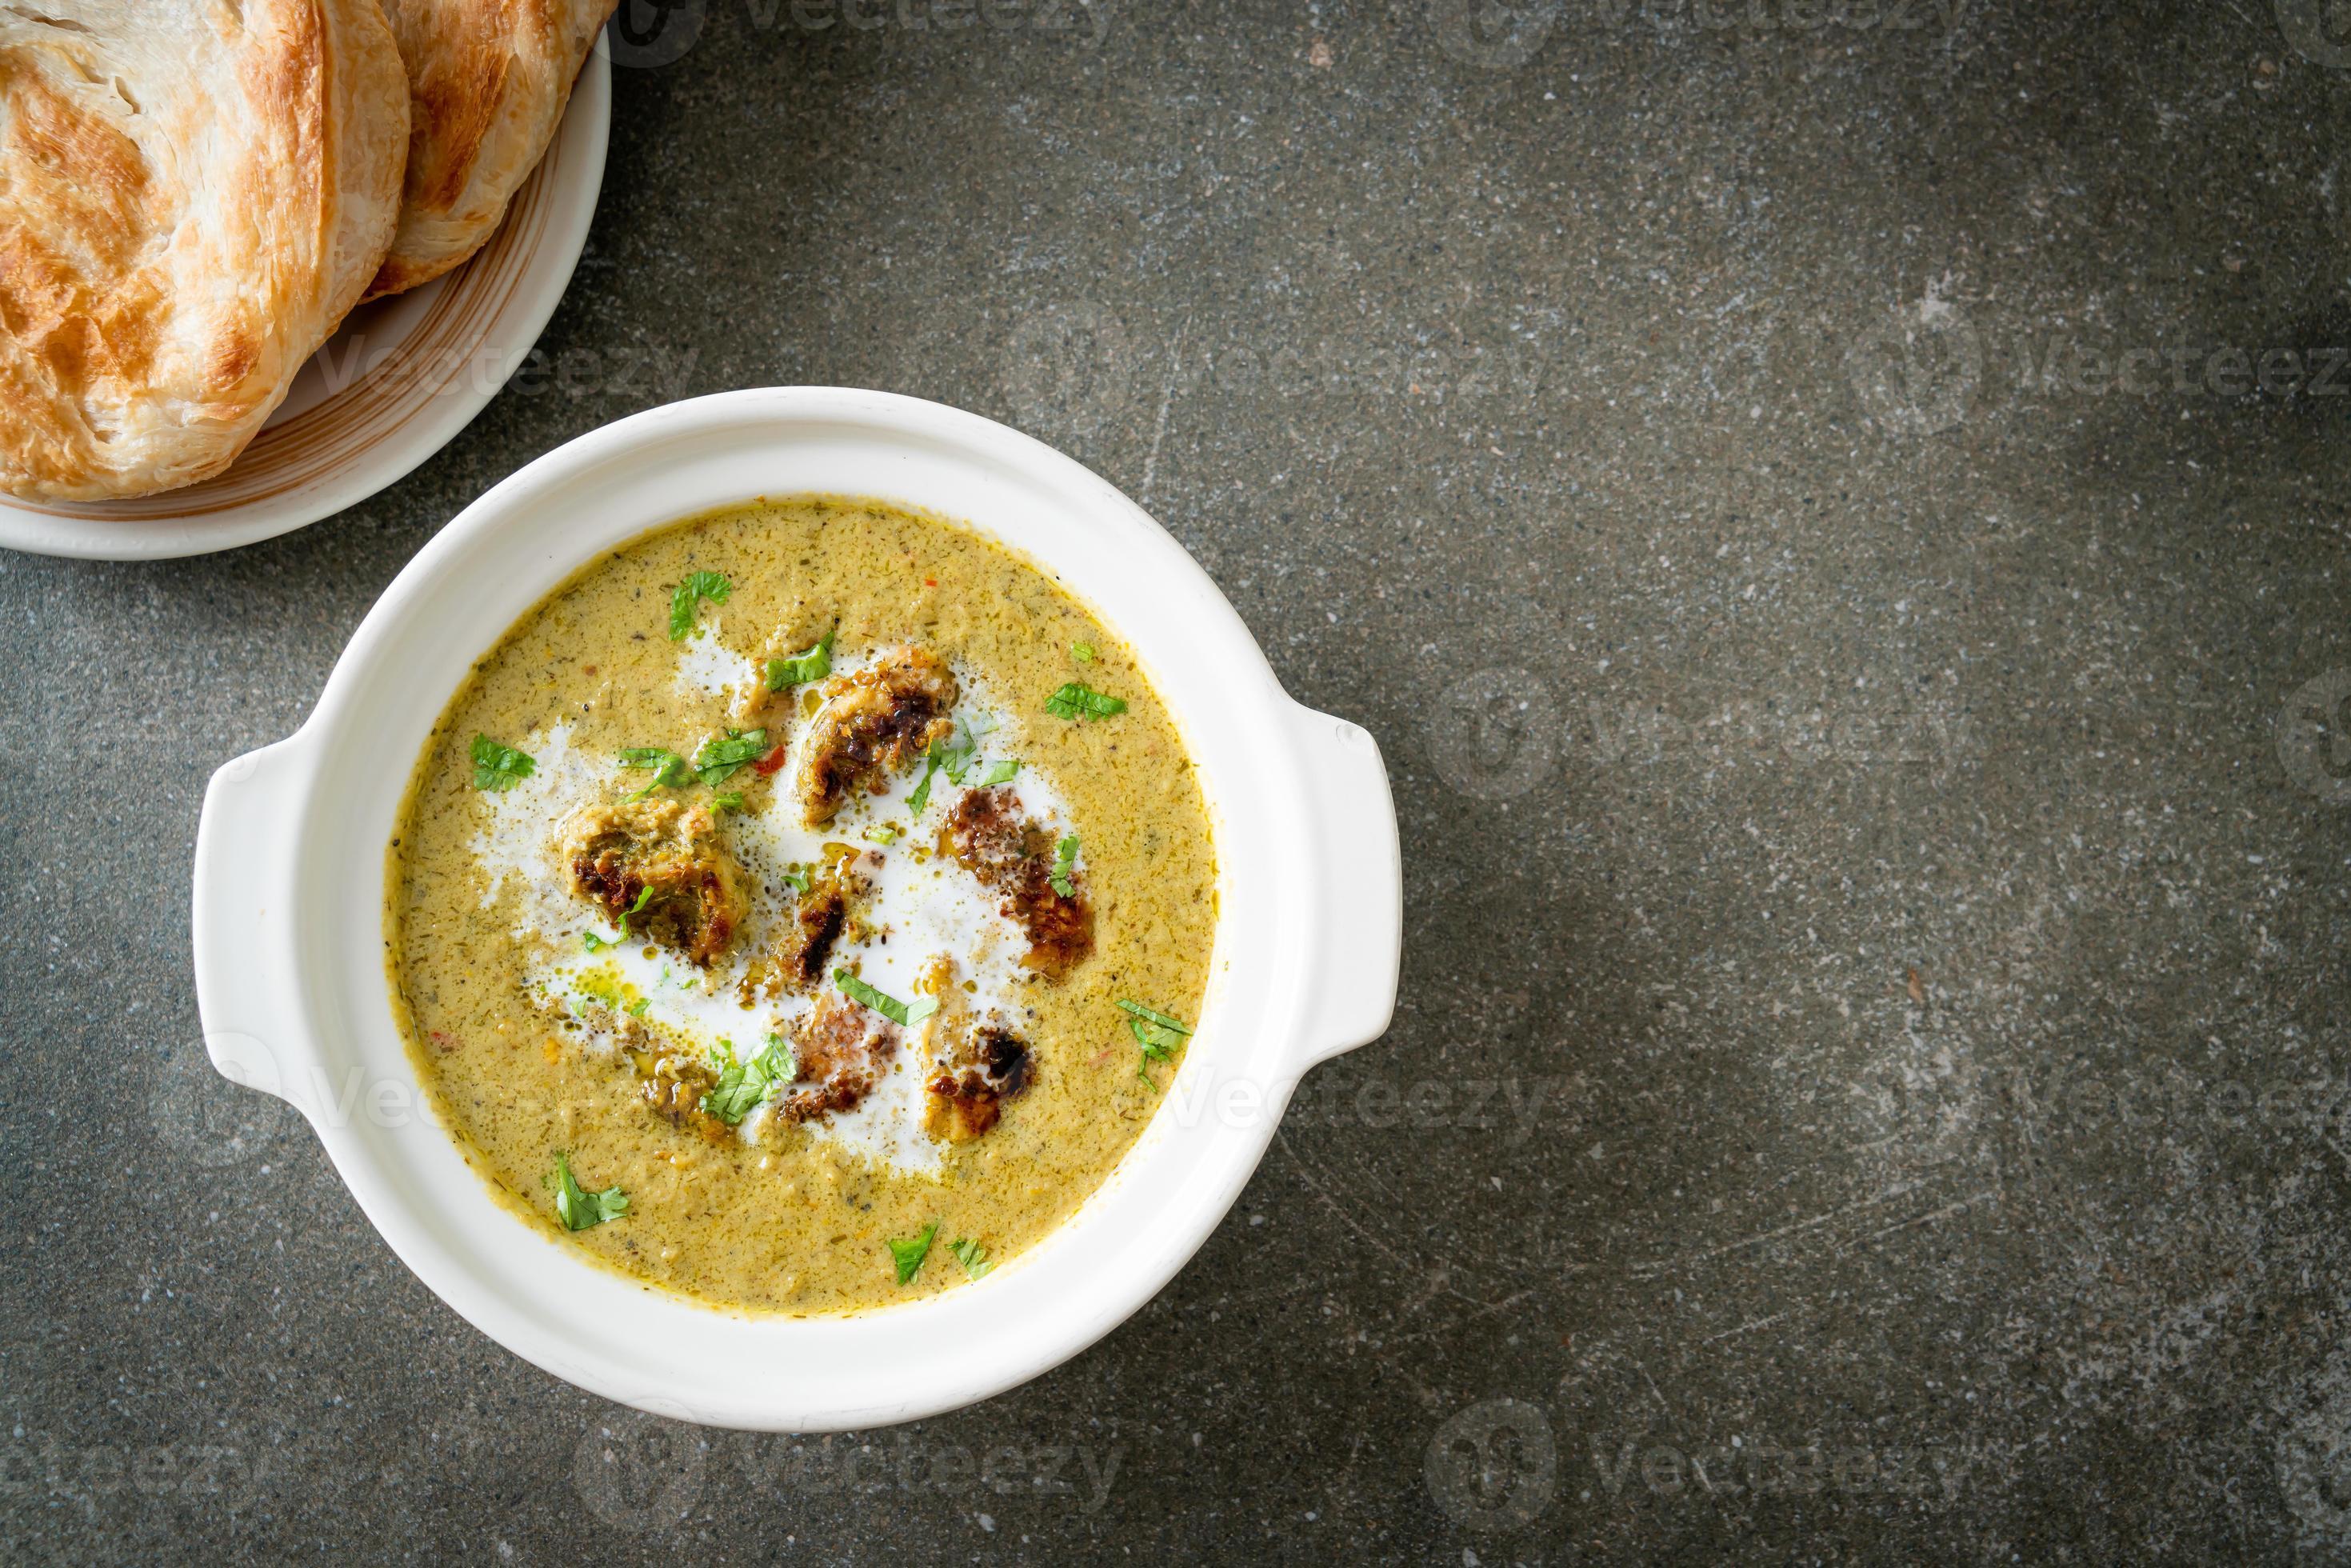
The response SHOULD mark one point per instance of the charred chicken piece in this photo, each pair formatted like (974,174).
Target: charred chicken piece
(841,1051)
(818,920)
(874,721)
(979,1067)
(661,864)
(671,1082)
(970,1066)
(1013,856)
(673,1086)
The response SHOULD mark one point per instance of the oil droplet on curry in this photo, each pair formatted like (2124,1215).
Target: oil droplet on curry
(803,908)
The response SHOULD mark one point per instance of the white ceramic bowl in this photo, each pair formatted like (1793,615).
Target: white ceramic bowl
(290,896)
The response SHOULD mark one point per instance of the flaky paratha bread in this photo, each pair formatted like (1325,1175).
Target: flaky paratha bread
(192,194)
(487,81)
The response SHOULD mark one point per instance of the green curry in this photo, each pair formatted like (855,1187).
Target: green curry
(803,907)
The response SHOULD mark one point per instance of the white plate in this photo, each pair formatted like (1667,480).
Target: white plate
(400,378)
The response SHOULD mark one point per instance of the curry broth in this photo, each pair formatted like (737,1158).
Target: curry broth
(782,1216)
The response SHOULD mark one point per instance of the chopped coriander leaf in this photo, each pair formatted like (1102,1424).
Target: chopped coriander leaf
(909,1255)
(577,1207)
(636,1009)
(1158,1034)
(1157,1043)
(881,834)
(732,800)
(670,770)
(934,760)
(697,587)
(1077,700)
(776,1060)
(999,773)
(719,760)
(497,767)
(1083,652)
(972,1256)
(743,1086)
(595,944)
(1153,1016)
(1065,866)
(950,760)
(906,1015)
(801,668)
(798,877)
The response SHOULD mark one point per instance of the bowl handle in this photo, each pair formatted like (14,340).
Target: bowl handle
(243,936)
(1355,941)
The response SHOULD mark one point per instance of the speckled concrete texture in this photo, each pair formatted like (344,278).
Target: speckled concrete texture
(1836,512)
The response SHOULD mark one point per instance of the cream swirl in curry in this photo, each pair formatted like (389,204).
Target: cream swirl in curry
(803,907)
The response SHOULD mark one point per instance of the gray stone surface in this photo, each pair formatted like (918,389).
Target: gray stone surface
(1817,509)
